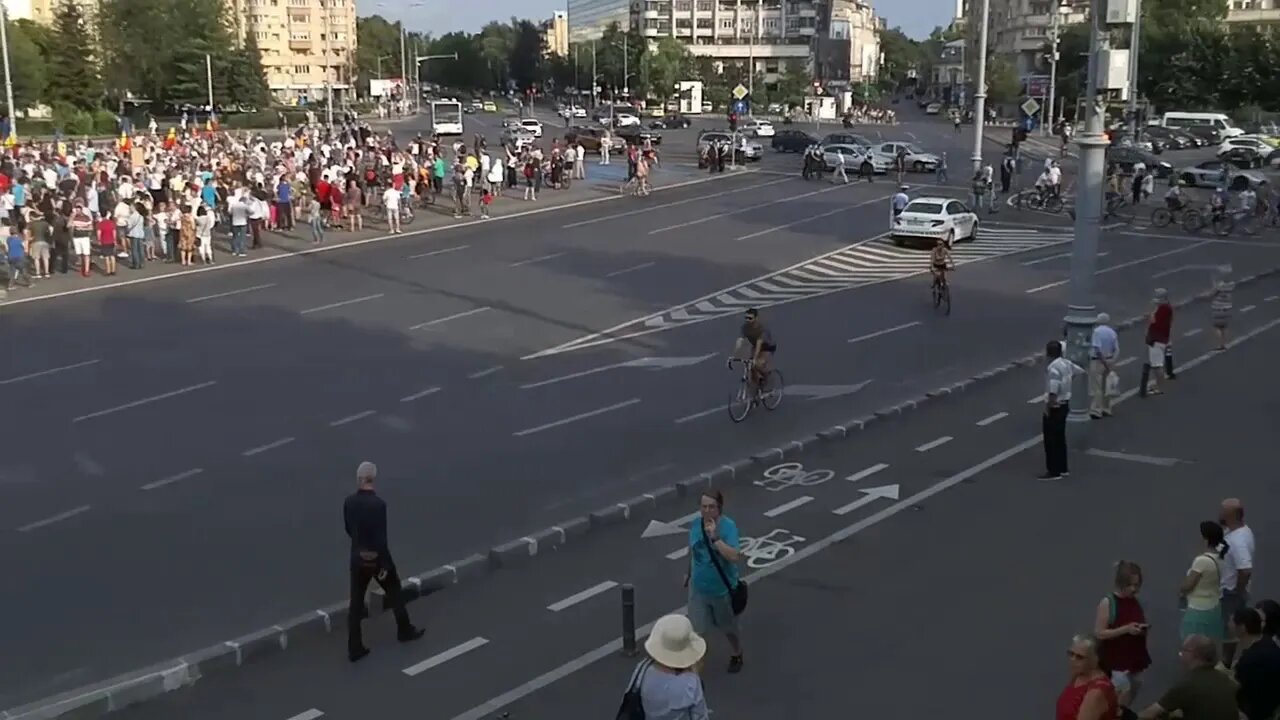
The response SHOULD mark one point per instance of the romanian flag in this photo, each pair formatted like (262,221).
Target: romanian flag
(11,140)
(125,143)
(171,139)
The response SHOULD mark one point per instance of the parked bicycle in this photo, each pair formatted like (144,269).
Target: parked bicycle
(768,393)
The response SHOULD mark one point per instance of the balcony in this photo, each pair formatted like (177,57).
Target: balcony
(1255,16)
(654,14)
(727,51)
(653,33)
(300,44)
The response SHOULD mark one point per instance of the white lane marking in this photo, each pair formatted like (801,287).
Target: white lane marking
(144,401)
(695,416)
(352,418)
(633,268)
(1271,298)
(939,442)
(311,714)
(638,363)
(868,472)
(993,418)
(1193,332)
(433,253)
(1123,265)
(686,201)
(885,331)
(587,594)
(446,656)
(420,394)
(50,371)
(1059,256)
(1133,457)
(531,261)
(484,373)
(269,446)
(575,418)
(1127,361)
(718,216)
(230,293)
(682,552)
(1180,268)
(1038,399)
(355,243)
(811,218)
(454,316)
(788,506)
(1248,308)
(344,303)
(173,479)
(55,519)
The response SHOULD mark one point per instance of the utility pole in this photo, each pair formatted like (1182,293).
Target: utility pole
(1050,112)
(404,70)
(594,100)
(751,56)
(8,78)
(980,87)
(1082,314)
(328,58)
(626,90)
(208,80)
(1135,39)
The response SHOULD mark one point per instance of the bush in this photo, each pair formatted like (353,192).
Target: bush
(105,123)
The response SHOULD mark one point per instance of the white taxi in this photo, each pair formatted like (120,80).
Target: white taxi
(533,125)
(758,128)
(924,220)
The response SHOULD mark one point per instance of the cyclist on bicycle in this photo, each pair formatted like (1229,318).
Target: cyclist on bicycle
(940,262)
(1218,203)
(755,343)
(900,200)
(1176,198)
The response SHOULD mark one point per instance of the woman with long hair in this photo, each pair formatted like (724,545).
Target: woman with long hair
(1200,588)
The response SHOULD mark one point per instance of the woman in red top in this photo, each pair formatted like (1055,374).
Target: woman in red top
(1159,327)
(1089,694)
(1121,627)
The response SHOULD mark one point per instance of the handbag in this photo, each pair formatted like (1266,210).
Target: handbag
(1113,384)
(632,708)
(737,593)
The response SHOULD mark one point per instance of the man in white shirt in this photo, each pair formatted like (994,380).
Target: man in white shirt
(1237,568)
(239,211)
(1104,350)
(391,204)
(1057,404)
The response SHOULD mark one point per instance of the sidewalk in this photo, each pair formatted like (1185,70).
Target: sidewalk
(601,182)
(962,606)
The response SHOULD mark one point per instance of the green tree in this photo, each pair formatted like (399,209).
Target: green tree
(496,41)
(246,80)
(468,72)
(901,54)
(791,87)
(526,60)
(73,72)
(1003,85)
(667,65)
(26,58)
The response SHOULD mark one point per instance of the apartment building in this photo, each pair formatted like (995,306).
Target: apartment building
(555,34)
(1019,29)
(772,34)
(42,11)
(1254,12)
(307,45)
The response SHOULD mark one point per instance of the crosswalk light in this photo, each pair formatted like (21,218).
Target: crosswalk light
(733,121)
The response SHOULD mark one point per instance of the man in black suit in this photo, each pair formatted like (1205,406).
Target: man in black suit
(365,517)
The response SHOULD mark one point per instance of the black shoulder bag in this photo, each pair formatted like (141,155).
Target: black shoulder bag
(632,707)
(737,593)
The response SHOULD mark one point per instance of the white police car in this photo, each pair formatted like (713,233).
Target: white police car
(925,220)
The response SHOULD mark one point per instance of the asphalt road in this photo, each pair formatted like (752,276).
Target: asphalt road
(874,566)
(178,450)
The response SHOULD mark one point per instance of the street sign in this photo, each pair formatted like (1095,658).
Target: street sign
(740,92)
(1038,86)
(1031,107)
(739,107)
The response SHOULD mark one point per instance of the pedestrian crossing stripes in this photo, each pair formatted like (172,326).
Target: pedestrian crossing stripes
(866,263)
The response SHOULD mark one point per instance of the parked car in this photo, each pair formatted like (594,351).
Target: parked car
(856,159)
(1244,141)
(792,141)
(926,220)
(588,137)
(625,119)
(757,128)
(637,135)
(518,137)
(1210,135)
(1245,158)
(1193,140)
(672,121)
(1171,139)
(917,160)
(1126,156)
(844,138)
(533,125)
(1210,172)
(746,149)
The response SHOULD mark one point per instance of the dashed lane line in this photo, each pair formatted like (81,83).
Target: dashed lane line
(447,318)
(352,418)
(342,303)
(576,418)
(146,401)
(420,394)
(787,507)
(675,203)
(935,443)
(731,213)
(483,373)
(444,657)
(633,268)
(311,714)
(173,479)
(1192,332)
(868,472)
(444,251)
(50,371)
(885,331)
(1248,308)
(991,419)
(269,446)
(55,519)
(230,293)
(1122,265)
(538,259)
(578,597)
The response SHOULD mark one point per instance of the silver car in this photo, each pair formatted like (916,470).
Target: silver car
(917,160)
(1210,174)
(854,156)
(746,148)
(518,137)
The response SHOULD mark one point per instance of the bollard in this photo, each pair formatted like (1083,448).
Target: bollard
(628,620)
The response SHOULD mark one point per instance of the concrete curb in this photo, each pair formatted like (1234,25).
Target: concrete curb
(96,700)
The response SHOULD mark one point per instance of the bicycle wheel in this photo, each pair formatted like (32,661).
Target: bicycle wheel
(936,292)
(1123,212)
(945,292)
(1161,217)
(1223,225)
(740,403)
(771,390)
(1035,201)
(1053,204)
(1192,221)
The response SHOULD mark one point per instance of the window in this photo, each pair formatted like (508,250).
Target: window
(684,5)
(726,24)
(301,69)
(705,24)
(705,5)
(684,23)
(299,18)
(771,23)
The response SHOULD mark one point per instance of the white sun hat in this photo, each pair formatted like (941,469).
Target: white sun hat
(673,643)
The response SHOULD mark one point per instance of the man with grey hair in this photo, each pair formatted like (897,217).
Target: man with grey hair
(1159,328)
(1104,349)
(1204,692)
(365,517)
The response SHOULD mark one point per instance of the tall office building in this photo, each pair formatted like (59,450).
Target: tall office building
(1019,30)
(306,45)
(555,34)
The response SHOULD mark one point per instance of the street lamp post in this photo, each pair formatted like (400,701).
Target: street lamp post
(980,88)
(1054,41)
(8,78)
(1135,39)
(328,58)
(1081,311)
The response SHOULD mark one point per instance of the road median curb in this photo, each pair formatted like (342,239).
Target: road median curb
(101,698)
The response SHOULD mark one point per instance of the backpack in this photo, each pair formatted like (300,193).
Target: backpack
(632,708)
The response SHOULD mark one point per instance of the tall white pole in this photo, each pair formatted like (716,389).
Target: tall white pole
(404,72)
(1135,40)
(328,84)
(208,79)
(8,79)
(980,87)
(751,55)
(1051,112)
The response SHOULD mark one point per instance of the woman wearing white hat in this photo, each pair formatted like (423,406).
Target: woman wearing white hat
(668,687)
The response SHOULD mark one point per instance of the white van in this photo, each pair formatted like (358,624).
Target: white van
(1217,121)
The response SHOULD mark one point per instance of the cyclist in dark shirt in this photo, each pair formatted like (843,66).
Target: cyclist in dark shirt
(756,343)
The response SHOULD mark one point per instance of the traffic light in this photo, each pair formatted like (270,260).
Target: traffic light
(733,122)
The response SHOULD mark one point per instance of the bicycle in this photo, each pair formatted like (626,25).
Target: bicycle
(768,393)
(1047,201)
(940,290)
(1187,217)
(633,186)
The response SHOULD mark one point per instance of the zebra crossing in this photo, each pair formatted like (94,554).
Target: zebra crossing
(866,263)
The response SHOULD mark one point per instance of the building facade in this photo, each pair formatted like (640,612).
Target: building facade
(1020,30)
(1264,13)
(307,45)
(769,35)
(42,11)
(555,34)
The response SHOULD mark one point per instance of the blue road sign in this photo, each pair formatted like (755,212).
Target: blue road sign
(739,107)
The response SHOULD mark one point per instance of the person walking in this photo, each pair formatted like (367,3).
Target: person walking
(1120,624)
(1057,404)
(364,517)
(1201,588)
(1220,304)
(715,595)
(666,685)
(942,170)
(1104,348)
(1237,568)
(1159,328)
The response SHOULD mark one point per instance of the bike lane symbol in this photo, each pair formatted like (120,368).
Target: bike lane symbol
(787,475)
(764,551)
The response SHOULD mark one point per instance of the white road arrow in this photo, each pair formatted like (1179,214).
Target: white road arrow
(887,492)
(651,363)
(657,528)
(825,392)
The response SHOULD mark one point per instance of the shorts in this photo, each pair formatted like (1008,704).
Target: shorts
(40,250)
(81,245)
(1231,602)
(1155,355)
(106,251)
(769,348)
(707,612)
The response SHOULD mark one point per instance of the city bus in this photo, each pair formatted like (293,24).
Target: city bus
(446,117)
